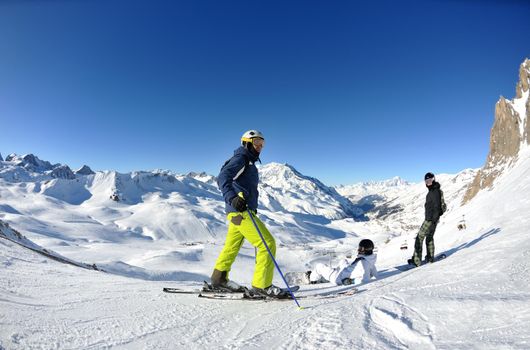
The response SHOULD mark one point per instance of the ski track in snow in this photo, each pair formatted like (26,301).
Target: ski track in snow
(323,330)
(399,325)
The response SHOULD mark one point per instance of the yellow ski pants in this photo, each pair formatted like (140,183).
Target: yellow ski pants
(241,227)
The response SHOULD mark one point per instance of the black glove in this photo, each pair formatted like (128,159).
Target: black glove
(239,204)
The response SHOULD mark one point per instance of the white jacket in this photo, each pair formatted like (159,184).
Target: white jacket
(350,268)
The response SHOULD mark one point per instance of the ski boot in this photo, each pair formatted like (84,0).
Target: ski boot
(271,292)
(411,262)
(220,283)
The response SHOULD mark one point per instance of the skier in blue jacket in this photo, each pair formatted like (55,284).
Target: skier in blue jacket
(238,182)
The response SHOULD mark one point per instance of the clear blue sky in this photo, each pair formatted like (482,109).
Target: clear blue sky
(344,91)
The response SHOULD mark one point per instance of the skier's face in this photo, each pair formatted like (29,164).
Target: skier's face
(258,144)
(429,182)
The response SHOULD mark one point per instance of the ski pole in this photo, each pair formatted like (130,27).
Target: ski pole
(272,256)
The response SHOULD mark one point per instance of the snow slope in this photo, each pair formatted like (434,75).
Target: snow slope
(477,298)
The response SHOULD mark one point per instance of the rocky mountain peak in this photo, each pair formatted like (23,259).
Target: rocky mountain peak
(85,170)
(62,172)
(505,138)
(510,132)
(524,79)
(29,162)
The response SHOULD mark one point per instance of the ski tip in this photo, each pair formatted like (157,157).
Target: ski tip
(301,308)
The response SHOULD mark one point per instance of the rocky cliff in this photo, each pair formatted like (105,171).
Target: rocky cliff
(510,132)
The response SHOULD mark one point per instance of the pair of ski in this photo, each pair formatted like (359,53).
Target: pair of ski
(209,292)
(245,294)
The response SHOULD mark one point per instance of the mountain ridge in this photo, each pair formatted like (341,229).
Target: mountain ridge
(509,136)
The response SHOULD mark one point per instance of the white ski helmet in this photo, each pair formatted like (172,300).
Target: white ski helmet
(251,134)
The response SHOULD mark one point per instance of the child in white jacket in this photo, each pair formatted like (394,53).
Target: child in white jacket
(349,269)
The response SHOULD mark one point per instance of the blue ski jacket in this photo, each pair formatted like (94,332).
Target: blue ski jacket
(239,174)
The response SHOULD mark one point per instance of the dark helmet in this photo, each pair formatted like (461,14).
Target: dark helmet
(428,176)
(366,247)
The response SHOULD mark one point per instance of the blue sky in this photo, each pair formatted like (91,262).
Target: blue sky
(344,91)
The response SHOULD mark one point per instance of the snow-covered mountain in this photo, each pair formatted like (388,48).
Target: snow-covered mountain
(204,177)
(362,189)
(33,165)
(85,170)
(151,205)
(283,188)
(372,196)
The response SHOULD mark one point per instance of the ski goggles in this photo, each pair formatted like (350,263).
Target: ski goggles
(361,250)
(258,142)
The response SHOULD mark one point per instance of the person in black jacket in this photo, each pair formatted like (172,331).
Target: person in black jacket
(433,210)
